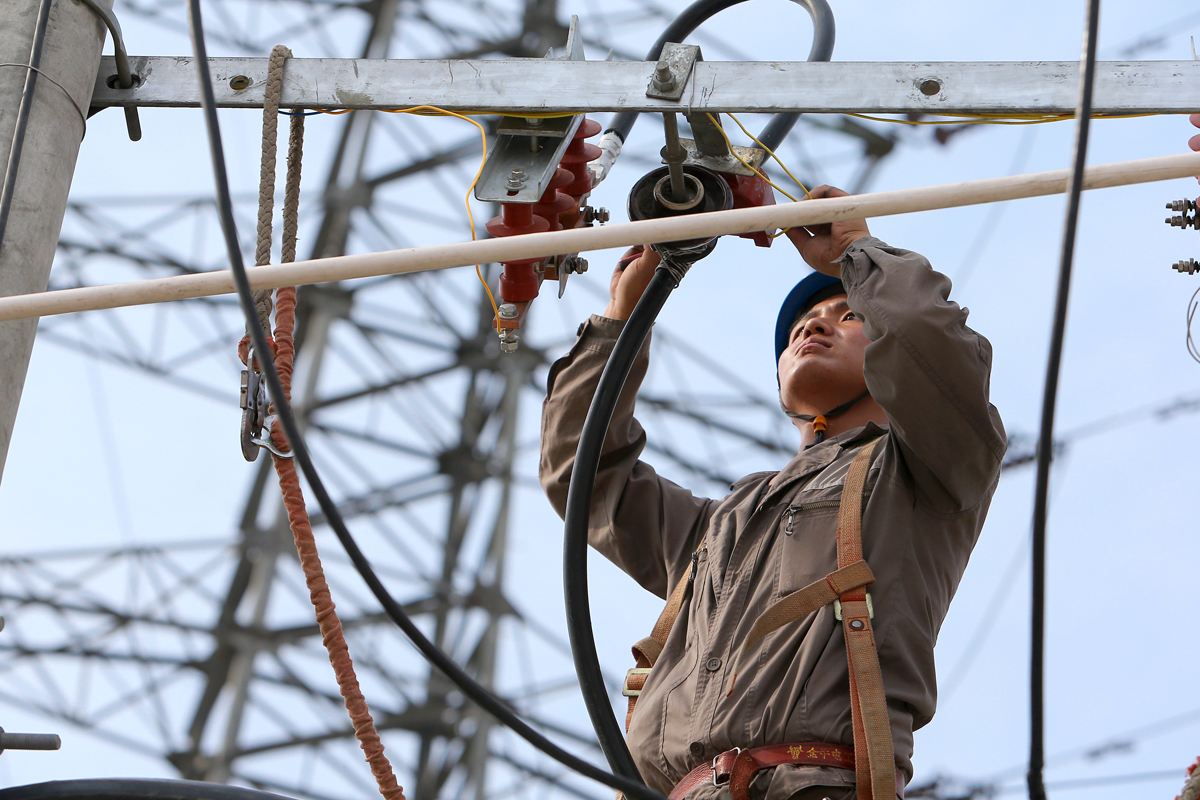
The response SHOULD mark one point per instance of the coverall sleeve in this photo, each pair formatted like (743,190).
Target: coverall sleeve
(643,523)
(929,371)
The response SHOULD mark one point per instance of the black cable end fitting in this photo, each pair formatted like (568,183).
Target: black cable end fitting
(651,198)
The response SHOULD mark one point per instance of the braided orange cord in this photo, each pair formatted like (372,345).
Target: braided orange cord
(284,349)
(314,575)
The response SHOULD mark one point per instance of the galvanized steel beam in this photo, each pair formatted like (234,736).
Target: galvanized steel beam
(525,86)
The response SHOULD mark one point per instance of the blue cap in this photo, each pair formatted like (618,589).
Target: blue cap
(803,296)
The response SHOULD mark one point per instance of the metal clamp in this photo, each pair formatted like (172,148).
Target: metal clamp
(125,79)
(837,608)
(672,71)
(256,417)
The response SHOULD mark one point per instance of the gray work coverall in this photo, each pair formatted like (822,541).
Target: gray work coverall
(930,485)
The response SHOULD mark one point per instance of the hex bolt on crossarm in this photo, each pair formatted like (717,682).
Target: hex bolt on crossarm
(1188,266)
(29,741)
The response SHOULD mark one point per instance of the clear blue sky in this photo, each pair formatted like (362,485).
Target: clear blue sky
(137,460)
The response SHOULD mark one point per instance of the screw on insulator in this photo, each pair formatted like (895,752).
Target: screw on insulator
(1183,221)
(574,265)
(1189,267)
(1181,205)
(516,180)
(29,741)
(592,215)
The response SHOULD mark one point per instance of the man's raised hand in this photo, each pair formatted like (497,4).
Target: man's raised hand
(630,278)
(1194,142)
(822,245)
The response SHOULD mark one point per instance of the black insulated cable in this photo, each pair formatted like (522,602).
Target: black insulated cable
(470,687)
(579,503)
(699,12)
(1045,448)
(133,789)
(23,111)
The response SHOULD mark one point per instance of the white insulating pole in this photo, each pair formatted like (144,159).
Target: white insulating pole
(68,59)
(575,240)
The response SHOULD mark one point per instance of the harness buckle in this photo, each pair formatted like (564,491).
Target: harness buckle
(625,690)
(717,778)
(837,608)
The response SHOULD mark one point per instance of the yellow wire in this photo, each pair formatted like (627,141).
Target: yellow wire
(759,172)
(747,164)
(435,111)
(992,119)
(771,153)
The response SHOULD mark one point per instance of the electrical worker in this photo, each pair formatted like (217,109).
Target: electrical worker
(871,358)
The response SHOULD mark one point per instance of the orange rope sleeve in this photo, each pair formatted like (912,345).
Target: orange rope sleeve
(284,347)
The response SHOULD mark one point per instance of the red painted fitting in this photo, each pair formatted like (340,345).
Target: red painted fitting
(519,281)
(554,203)
(579,153)
(751,191)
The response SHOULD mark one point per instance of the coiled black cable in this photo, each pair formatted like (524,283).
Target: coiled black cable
(692,17)
(579,503)
(133,789)
(1045,449)
(470,687)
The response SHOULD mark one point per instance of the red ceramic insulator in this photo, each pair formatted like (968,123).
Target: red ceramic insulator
(554,203)
(519,281)
(579,153)
(751,191)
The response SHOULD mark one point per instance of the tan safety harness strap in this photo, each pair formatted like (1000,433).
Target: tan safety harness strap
(647,651)
(875,760)
(802,602)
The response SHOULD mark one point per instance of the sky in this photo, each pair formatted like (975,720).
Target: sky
(105,455)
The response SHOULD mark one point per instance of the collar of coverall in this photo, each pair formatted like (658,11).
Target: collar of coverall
(814,459)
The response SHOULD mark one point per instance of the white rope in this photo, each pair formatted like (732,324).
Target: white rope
(541,245)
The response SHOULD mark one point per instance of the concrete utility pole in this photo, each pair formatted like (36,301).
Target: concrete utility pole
(70,56)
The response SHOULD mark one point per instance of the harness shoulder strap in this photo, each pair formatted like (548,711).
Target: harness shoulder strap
(845,587)
(647,651)
(876,772)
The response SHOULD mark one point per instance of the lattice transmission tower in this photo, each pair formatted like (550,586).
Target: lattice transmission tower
(202,651)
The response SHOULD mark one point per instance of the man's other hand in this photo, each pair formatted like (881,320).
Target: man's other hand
(630,278)
(1194,142)
(822,245)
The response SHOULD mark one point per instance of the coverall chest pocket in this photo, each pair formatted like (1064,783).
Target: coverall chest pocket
(806,540)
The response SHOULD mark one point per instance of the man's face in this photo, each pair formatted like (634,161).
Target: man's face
(822,366)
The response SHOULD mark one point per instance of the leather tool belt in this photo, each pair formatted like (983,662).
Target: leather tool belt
(737,767)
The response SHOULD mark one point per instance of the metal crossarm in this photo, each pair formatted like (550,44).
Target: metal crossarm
(525,86)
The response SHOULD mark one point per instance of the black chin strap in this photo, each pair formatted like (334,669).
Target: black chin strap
(820,422)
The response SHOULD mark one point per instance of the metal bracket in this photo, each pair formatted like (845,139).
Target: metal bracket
(726,163)
(522,163)
(672,71)
(125,79)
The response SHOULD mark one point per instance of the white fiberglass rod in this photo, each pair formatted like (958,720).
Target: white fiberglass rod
(540,245)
